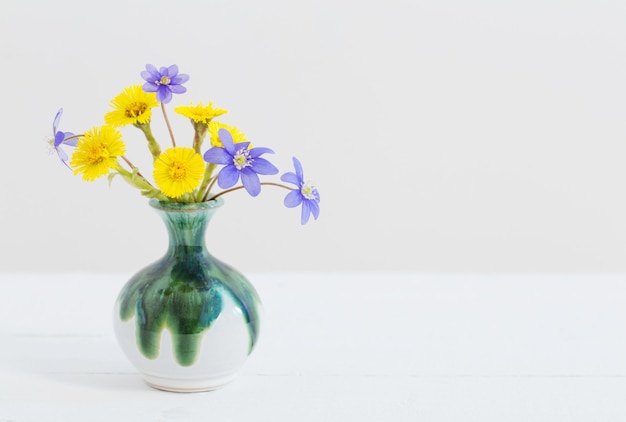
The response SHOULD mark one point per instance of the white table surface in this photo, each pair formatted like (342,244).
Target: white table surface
(337,347)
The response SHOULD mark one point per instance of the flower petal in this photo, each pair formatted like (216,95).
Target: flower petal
(57,119)
(72,142)
(262,166)
(179,79)
(218,155)
(148,77)
(228,177)
(151,74)
(172,71)
(258,151)
(298,167)
(62,155)
(227,140)
(315,209)
(306,212)
(177,89)
(164,94)
(242,145)
(58,138)
(250,181)
(293,199)
(291,177)
(150,87)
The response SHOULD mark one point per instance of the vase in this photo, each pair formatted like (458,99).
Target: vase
(187,322)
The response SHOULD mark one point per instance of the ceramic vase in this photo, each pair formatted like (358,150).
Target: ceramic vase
(189,321)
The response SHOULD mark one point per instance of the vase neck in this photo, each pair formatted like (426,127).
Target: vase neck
(186,225)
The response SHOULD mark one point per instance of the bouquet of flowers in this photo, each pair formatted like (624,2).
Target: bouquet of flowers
(184,174)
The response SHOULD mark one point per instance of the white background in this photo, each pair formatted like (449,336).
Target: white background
(443,135)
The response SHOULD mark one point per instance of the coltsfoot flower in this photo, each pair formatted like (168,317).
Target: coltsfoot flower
(97,152)
(133,106)
(200,113)
(178,170)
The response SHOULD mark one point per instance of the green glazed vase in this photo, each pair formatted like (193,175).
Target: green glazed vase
(189,321)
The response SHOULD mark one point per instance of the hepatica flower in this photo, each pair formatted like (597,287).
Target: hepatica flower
(239,161)
(164,82)
(182,174)
(305,193)
(61,138)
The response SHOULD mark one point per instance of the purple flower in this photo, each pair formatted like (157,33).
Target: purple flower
(60,138)
(306,194)
(238,160)
(164,82)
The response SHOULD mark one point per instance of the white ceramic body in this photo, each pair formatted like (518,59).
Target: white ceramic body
(224,349)
(188,321)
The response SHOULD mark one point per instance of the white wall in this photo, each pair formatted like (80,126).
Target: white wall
(443,135)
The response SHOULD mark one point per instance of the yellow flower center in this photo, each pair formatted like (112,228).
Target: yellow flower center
(178,171)
(241,159)
(308,190)
(135,109)
(97,153)
(165,80)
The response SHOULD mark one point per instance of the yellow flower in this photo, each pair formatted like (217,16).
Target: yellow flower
(132,106)
(199,113)
(97,151)
(178,170)
(214,127)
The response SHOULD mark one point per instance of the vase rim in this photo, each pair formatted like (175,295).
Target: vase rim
(186,207)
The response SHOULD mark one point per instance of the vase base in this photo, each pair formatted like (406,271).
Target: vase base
(187,386)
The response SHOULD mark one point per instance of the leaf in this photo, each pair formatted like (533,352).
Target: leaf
(110,177)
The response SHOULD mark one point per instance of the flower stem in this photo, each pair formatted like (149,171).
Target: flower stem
(202,190)
(153,145)
(169,127)
(74,137)
(280,185)
(136,179)
(204,198)
(241,187)
(199,134)
(136,170)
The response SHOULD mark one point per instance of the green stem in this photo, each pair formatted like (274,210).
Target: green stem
(204,198)
(136,170)
(136,179)
(200,130)
(202,190)
(187,198)
(153,145)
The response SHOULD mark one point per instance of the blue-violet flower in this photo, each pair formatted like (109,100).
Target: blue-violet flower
(239,160)
(61,138)
(164,81)
(305,194)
